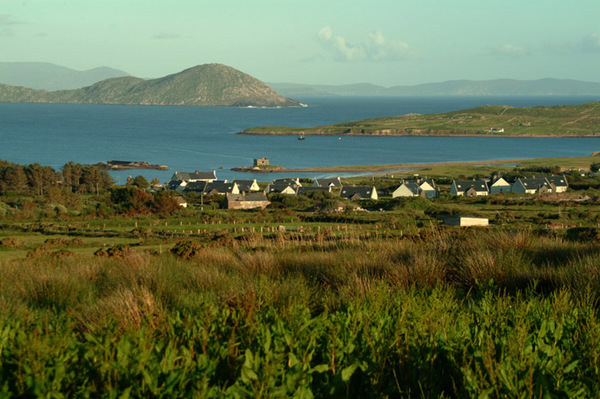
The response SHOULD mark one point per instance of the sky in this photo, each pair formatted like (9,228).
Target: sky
(383,42)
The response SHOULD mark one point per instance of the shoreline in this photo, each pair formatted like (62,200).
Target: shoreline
(390,168)
(485,135)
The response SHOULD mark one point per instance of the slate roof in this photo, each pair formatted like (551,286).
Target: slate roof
(535,183)
(197,186)
(210,187)
(253,197)
(558,181)
(412,186)
(357,192)
(465,185)
(196,176)
(330,182)
(281,186)
(174,184)
(288,181)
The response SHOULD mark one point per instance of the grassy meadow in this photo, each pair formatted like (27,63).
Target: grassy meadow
(300,301)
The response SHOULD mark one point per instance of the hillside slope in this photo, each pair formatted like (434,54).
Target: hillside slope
(497,120)
(203,85)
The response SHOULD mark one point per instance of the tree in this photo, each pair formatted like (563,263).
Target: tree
(13,179)
(94,179)
(164,203)
(39,178)
(72,176)
(141,182)
(132,200)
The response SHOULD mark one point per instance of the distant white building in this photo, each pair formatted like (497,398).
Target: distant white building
(465,221)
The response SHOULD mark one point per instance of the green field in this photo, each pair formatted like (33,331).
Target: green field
(568,120)
(111,295)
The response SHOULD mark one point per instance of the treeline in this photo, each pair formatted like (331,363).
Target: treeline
(35,179)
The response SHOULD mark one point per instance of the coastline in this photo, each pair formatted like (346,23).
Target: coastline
(485,135)
(565,162)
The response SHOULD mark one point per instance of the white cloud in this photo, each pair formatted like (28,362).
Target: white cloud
(508,50)
(376,47)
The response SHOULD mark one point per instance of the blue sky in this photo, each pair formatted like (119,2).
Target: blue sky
(384,42)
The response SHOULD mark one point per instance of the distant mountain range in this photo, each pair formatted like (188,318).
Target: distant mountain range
(215,84)
(203,85)
(46,76)
(499,87)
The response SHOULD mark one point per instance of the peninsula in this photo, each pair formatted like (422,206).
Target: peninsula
(203,85)
(489,120)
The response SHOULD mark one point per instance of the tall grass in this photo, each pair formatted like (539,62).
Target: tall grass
(442,314)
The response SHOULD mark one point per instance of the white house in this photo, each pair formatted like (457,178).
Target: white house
(559,183)
(288,188)
(407,189)
(469,188)
(499,185)
(335,182)
(534,185)
(359,193)
(466,221)
(428,188)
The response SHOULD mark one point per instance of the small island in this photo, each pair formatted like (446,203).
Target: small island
(129,165)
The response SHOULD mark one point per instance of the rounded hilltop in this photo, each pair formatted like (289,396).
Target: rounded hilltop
(214,85)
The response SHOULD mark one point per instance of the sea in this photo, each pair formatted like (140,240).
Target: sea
(187,139)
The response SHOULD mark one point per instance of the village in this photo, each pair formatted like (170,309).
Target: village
(250,194)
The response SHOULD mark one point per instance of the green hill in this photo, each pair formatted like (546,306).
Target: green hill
(497,120)
(203,85)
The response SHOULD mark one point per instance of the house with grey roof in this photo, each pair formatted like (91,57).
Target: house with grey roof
(288,188)
(532,185)
(212,188)
(359,193)
(334,182)
(540,185)
(559,183)
(194,177)
(180,180)
(429,188)
(469,188)
(408,188)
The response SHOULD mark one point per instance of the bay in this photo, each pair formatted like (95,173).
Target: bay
(199,138)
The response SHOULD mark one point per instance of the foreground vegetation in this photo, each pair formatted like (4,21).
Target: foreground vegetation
(442,314)
(115,292)
(495,120)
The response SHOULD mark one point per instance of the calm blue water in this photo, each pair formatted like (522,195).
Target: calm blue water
(196,138)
